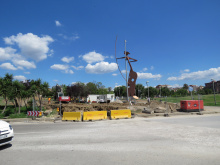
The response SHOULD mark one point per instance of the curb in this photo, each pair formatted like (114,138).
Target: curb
(177,114)
(38,120)
(30,120)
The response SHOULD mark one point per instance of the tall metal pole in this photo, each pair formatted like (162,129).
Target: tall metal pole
(214,90)
(126,71)
(148,89)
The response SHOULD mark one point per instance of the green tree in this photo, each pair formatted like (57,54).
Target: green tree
(5,86)
(201,92)
(15,94)
(181,92)
(40,88)
(91,88)
(152,92)
(120,91)
(139,88)
(185,86)
(165,92)
(26,93)
(208,91)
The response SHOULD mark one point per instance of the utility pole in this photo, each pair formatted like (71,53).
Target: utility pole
(126,71)
(213,90)
(147,89)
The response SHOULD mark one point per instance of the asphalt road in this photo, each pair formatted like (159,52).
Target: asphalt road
(163,140)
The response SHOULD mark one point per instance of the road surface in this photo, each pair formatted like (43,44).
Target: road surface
(183,140)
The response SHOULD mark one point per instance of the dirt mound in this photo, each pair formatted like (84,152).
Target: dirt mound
(162,107)
(155,106)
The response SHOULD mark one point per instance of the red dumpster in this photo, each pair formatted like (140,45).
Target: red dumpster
(191,105)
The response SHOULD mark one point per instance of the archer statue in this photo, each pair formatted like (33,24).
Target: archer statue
(132,75)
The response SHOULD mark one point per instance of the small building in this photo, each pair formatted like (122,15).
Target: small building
(194,87)
(163,86)
(216,86)
(102,97)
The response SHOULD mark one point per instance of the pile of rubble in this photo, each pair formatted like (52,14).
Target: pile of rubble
(139,105)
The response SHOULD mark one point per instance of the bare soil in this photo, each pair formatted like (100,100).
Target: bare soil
(137,106)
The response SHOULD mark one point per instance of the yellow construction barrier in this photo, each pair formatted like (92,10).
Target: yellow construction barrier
(94,115)
(120,114)
(76,116)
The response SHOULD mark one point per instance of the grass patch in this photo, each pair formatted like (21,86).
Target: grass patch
(208,100)
(54,112)
(2,116)
(21,115)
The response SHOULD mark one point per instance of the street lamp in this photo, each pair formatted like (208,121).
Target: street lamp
(213,89)
(148,98)
(147,88)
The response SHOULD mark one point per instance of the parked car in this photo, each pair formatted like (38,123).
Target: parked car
(6,133)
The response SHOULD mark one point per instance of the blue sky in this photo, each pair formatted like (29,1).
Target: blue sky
(62,42)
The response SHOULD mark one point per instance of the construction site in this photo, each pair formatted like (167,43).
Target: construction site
(139,107)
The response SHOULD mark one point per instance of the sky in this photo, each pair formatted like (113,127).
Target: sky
(64,42)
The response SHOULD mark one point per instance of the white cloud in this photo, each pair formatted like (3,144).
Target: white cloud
(64,68)
(58,23)
(24,63)
(67,59)
(31,45)
(148,76)
(152,68)
(71,37)
(145,69)
(51,52)
(102,67)
(7,66)
(124,71)
(21,78)
(69,71)
(114,74)
(199,75)
(59,67)
(78,68)
(7,53)
(92,57)
(176,86)
(186,70)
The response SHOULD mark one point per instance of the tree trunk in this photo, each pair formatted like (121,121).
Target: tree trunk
(15,104)
(25,103)
(19,106)
(40,99)
(6,102)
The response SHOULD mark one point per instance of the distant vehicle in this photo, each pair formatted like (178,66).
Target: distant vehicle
(63,98)
(6,133)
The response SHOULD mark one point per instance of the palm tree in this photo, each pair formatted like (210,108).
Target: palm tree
(5,87)
(40,89)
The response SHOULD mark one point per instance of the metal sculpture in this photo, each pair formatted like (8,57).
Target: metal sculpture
(132,74)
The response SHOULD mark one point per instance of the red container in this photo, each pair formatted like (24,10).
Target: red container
(191,105)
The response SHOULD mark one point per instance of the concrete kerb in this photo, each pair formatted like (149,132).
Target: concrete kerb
(30,120)
(59,119)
